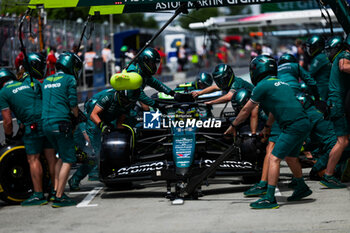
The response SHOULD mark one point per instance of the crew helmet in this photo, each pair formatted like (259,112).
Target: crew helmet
(314,45)
(149,61)
(69,63)
(287,58)
(223,76)
(334,46)
(261,67)
(205,80)
(240,98)
(5,76)
(35,65)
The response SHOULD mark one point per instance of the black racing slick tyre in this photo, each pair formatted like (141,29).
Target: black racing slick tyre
(15,179)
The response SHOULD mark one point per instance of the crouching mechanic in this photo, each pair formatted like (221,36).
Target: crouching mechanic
(203,81)
(146,66)
(290,116)
(93,132)
(23,98)
(60,113)
(112,109)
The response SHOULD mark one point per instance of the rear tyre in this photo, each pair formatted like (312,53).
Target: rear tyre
(15,179)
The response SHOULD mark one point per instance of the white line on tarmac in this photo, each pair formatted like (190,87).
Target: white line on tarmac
(278,193)
(79,193)
(89,198)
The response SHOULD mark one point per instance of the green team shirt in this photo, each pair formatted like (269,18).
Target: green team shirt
(59,96)
(320,69)
(291,72)
(90,126)
(277,97)
(113,107)
(148,80)
(239,83)
(90,104)
(24,101)
(339,82)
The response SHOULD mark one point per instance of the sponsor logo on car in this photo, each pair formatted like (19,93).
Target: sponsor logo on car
(151,120)
(230,164)
(183,155)
(141,168)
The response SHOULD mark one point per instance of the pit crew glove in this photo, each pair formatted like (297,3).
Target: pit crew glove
(80,155)
(105,128)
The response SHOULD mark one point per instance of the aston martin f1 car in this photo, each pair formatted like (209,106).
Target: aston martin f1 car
(184,147)
(183,156)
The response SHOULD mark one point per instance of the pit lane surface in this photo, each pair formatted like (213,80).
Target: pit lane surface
(222,209)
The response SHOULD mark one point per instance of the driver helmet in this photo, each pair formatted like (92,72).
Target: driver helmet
(240,98)
(149,61)
(69,63)
(204,80)
(287,58)
(334,46)
(5,76)
(315,45)
(261,67)
(35,65)
(223,76)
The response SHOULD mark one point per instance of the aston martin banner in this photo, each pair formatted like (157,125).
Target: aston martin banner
(129,6)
